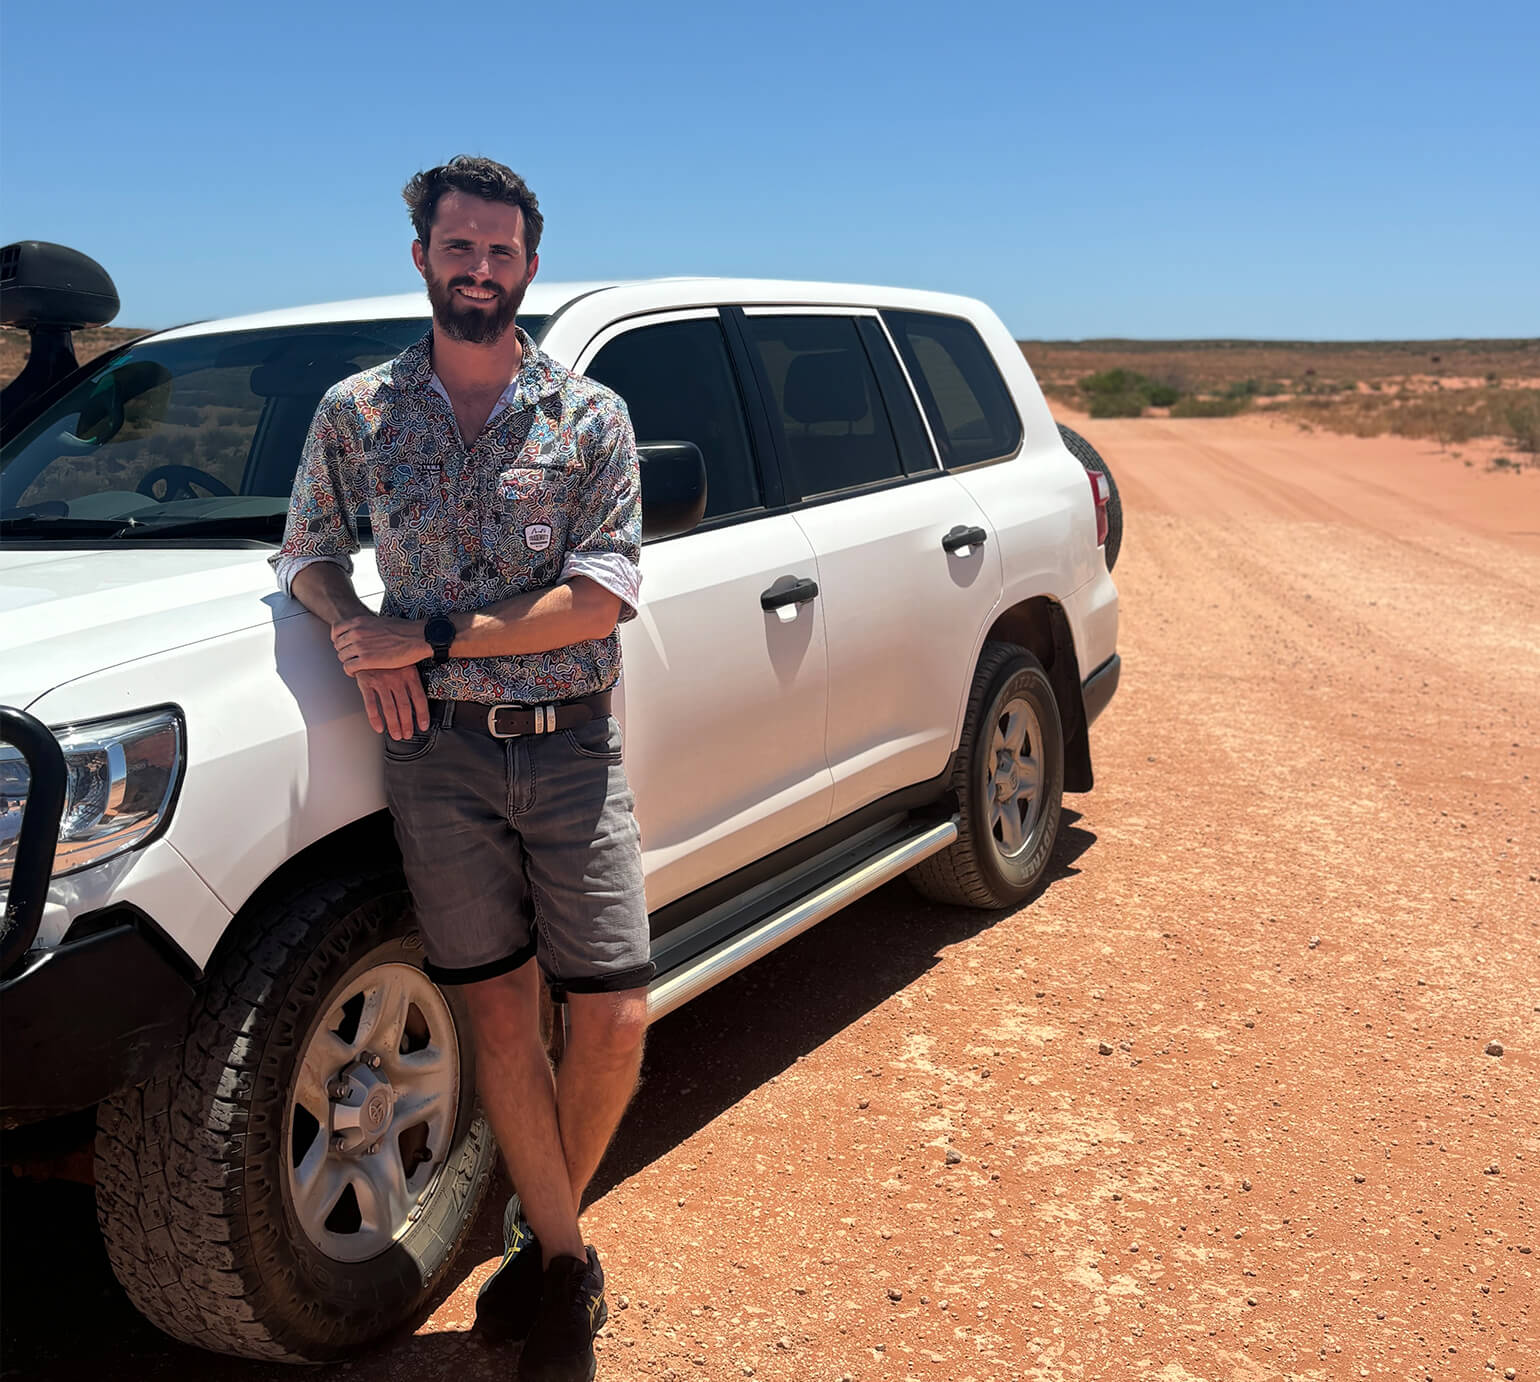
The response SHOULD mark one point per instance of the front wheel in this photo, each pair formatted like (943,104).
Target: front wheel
(294,1182)
(1009,779)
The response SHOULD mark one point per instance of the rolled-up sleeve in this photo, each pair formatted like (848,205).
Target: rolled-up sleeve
(605,529)
(320,525)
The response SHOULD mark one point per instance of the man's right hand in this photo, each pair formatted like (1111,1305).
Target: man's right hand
(394,700)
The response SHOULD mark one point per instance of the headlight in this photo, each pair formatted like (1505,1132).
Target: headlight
(122,776)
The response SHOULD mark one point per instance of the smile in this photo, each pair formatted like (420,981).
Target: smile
(477,294)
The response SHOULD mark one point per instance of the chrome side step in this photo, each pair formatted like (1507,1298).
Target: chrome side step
(693,979)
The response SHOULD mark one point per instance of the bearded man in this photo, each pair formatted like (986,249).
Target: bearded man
(506,510)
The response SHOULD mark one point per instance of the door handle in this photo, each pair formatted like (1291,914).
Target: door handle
(797,593)
(963,537)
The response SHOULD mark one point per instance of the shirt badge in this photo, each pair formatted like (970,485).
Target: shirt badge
(537,536)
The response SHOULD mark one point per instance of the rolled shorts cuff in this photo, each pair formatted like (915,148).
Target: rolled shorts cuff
(618,982)
(474,974)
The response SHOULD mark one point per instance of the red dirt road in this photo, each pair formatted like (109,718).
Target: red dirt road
(1303,899)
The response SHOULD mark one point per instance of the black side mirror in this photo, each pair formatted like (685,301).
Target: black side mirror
(51,291)
(673,487)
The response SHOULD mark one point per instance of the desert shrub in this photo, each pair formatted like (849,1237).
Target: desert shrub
(1117,405)
(1208,407)
(1126,393)
(1523,418)
(1113,381)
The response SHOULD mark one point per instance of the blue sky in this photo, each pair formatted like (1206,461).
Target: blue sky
(1333,170)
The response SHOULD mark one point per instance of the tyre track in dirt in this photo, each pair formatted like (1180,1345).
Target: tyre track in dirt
(1303,898)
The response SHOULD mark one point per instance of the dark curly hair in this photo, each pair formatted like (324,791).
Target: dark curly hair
(476,177)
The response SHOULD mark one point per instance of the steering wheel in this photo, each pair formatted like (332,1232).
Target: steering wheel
(178,481)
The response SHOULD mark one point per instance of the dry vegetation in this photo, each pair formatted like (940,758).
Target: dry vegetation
(88,345)
(1444,391)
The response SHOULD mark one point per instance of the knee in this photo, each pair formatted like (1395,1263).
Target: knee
(611,1027)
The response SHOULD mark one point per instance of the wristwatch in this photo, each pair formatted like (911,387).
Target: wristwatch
(440,633)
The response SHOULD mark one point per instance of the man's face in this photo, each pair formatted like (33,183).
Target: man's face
(475,267)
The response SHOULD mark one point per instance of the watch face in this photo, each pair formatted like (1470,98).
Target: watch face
(440,633)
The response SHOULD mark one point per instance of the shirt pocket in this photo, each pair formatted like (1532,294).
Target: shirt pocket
(531,506)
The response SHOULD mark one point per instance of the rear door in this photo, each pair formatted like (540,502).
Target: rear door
(907,572)
(724,700)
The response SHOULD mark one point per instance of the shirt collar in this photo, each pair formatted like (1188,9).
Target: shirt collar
(538,377)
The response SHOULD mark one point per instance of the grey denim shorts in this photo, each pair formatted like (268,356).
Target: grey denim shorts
(521,848)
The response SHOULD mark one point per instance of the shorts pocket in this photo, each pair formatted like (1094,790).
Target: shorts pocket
(420,745)
(597,739)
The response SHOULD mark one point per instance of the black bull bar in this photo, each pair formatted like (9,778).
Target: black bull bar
(39,835)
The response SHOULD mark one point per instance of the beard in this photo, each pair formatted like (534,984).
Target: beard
(473,325)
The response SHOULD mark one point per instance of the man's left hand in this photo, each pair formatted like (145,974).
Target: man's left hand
(371,642)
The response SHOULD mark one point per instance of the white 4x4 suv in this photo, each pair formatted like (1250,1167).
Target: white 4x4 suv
(876,624)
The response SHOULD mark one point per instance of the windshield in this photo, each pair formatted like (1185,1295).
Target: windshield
(193,437)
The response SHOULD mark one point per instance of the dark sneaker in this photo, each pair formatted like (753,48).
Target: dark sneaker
(560,1347)
(509,1299)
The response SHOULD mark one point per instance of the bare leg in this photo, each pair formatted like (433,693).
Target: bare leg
(519,1096)
(597,1076)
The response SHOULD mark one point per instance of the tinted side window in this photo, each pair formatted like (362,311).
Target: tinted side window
(678,382)
(837,432)
(968,404)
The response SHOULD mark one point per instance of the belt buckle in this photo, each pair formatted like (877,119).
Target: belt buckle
(545,720)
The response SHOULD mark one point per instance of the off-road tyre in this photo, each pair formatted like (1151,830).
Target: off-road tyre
(972,871)
(1087,455)
(190,1185)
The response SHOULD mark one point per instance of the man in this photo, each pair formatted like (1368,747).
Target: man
(505,504)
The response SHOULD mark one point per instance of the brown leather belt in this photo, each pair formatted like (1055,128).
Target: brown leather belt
(510,721)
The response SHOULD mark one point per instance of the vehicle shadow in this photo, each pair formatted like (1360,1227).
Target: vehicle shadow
(704,1058)
(66,1319)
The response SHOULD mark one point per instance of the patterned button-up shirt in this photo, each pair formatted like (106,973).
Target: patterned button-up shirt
(550,489)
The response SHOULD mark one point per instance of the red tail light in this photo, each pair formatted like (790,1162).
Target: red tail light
(1101,492)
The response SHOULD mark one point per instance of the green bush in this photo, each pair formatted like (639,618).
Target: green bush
(1117,405)
(1113,381)
(1126,393)
(1208,407)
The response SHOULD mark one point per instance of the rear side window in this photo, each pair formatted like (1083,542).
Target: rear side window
(968,404)
(837,432)
(678,383)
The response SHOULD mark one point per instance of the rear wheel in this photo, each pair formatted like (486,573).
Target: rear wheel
(1087,455)
(296,1180)
(1009,781)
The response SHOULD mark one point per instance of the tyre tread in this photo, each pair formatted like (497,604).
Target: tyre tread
(1090,459)
(171,1200)
(953,875)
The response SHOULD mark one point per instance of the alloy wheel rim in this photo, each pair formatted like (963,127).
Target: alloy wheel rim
(1013,777)
(372,1111)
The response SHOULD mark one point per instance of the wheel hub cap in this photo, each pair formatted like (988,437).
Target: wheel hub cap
(362,1105)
